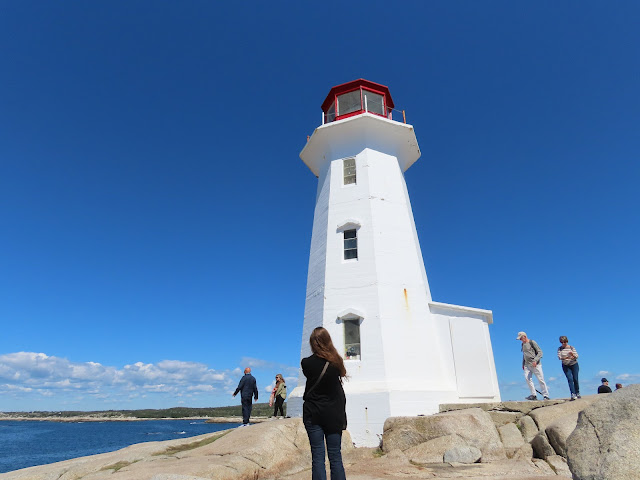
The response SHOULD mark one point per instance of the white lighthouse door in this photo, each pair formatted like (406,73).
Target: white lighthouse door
(471,357)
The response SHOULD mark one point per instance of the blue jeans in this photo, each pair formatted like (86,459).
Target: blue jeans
(317,439)
(571,372)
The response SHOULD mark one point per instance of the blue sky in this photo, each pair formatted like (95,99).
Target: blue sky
(156,217)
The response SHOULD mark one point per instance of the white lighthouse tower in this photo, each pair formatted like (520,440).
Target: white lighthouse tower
(404,353)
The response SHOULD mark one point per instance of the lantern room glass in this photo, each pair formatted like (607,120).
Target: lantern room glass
(354,102)
(374,103)
(349,102)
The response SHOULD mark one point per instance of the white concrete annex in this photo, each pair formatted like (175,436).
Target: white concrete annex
(405,354)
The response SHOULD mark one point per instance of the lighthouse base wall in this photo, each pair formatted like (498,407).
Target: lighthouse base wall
(466,362)
(367,411)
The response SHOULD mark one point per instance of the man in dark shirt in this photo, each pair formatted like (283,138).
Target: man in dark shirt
(247,388)
(604,388)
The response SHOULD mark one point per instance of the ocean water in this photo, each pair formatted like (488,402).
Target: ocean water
(28,443)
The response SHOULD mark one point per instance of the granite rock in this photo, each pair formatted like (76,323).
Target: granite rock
(605,444)
(474,426)
(462,454)
(511,438)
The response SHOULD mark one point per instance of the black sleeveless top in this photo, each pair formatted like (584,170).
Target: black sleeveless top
(325,404)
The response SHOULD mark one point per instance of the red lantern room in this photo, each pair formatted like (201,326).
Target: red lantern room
(355,97)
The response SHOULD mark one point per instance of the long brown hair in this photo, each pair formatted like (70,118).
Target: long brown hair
(322,346)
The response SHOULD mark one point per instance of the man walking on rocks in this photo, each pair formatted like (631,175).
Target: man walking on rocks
(247,388)
(531,356)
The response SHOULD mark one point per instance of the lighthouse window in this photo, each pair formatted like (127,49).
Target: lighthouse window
(331,113)
(352,339)
(375,102)
(350,244)
(349,102)
(349,168)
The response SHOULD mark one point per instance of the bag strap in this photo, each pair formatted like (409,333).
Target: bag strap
(326,365)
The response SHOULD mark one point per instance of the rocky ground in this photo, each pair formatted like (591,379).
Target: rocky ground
(600,436)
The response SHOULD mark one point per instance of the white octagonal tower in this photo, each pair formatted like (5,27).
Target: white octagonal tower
(367,285)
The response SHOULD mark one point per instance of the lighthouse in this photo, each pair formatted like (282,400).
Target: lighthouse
(404,353)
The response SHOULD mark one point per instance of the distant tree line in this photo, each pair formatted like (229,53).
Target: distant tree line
(259,410)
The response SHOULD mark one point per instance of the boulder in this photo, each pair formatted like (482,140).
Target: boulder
(523,407)
(606,442)
(511,438)
(541,446)
(547,415)
(559,465)
(502,418)
(543,466)
(474,426)
(462,454)
(432,451)
(559,431)
(525,452)
(527,427)
(449,407)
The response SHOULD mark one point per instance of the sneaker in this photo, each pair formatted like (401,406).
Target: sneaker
(546,398)
(578,396)
(531,397)
(573,397)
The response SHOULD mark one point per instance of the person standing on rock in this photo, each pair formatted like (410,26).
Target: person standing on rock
(324,409)
(280,394)
(248,388)
(531,356)
(569,358)
(604,388)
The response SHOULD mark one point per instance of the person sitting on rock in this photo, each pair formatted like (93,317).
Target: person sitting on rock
(618,386)
(604,388)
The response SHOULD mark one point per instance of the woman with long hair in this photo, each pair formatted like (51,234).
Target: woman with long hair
(324,410)
(280,394)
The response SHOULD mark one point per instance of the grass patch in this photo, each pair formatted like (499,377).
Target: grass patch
(190,446)
(117,466)
(377,453)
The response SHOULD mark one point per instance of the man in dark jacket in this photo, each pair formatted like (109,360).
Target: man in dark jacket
(604,388)
(247,388)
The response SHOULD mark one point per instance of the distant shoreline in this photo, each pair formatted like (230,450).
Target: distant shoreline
(83,419)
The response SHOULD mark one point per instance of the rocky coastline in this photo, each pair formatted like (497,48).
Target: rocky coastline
(98,418)
(596,437)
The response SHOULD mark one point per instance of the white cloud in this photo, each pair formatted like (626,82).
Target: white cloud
(27,372)
(602,373)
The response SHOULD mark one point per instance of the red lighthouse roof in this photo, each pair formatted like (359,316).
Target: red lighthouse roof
(355,97)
